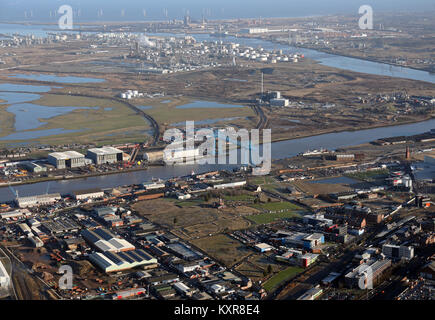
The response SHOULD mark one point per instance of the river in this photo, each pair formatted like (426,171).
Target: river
(280,150)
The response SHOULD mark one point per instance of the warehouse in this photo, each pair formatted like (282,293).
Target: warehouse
(4,277)
(263,247)
(12,214)
(153,186)
(88,194)
(183,251)
(104,211)
(279,102)
(114,262)
(60,226)
(67,159)
(36,242)
(103,240)
(105,155)
(311,294)
(39,200)
(33,167)
(183,289)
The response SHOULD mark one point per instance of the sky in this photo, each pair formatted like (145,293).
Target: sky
(138,10)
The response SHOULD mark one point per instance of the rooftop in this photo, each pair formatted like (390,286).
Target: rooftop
(66,155)
(105,150)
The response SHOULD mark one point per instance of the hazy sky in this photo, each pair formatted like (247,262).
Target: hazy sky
(213,9)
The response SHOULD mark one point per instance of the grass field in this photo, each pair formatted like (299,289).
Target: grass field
(108,121)
(188,219)
(281,277)
(264,218)
(229,251)
(167,113)
(276,206)
(241,197)
(368,175)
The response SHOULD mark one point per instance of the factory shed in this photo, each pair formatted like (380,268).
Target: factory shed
(114,262)
(105,155)
(103,240)
(67,159)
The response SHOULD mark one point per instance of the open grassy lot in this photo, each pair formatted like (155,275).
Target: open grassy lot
(369,175)
(279,278)
(276,206)
(256,265)
(264,218)
(190,220)
(240,197)
(167,113)
(105,121)
(223,248)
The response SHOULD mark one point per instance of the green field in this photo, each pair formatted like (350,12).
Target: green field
(369,175)
(281,277)
(241,197)
(264,218)
(107,122)
(276,206)
(189,203)
(167,113)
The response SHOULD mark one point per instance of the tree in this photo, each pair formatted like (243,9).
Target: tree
(175,220)
(269,269)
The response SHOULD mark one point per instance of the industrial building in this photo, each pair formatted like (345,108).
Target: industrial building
(60,226)
(153,186)
(105,211)
(371,270)
(263,247)
(67,159)
(33,167)
(36,241)
(114,262)
(398,252)
(105,155)
(183,251)
(254,30)
(279,102)
(311,294)
(103,240)
(88,194)
(39,200)
(12,214)
(4,277)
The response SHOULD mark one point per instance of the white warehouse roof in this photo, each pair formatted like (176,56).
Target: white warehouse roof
(105,150)
(66,155)
(111,262)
